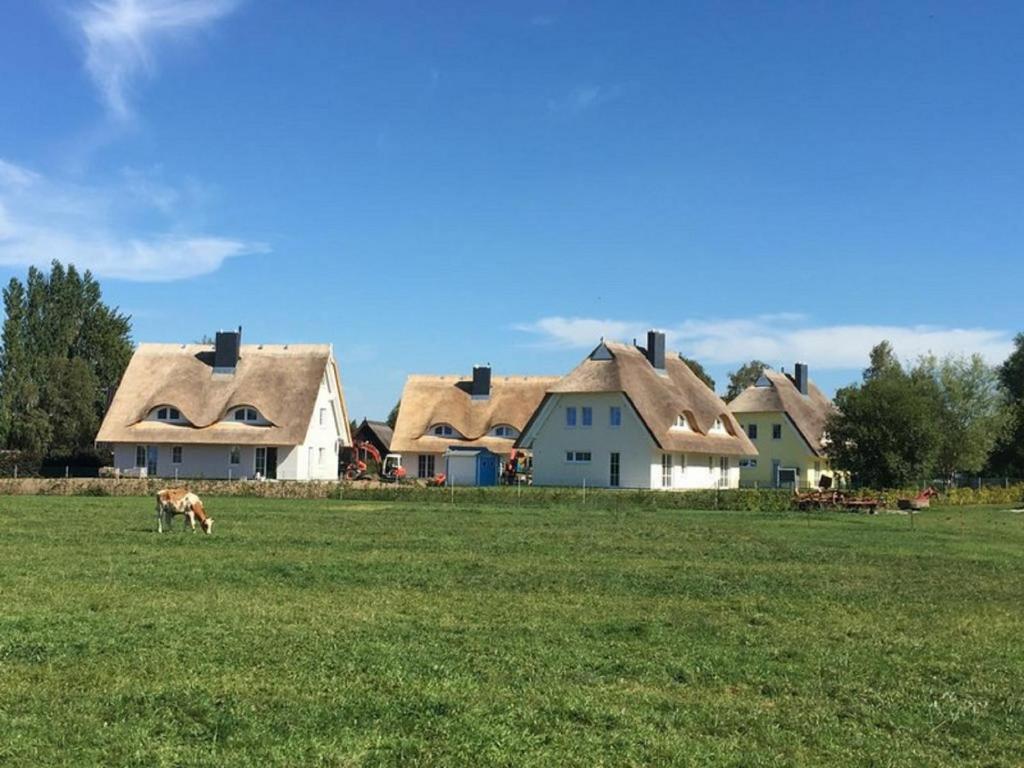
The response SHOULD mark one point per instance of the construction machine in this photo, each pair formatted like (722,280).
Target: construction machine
(390,467)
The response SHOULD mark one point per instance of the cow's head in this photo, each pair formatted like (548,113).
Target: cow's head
(207,525)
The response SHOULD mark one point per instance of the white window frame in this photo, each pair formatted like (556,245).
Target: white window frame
(140,455)
(425,465)
(666,470)
(615,417)
(323,417)
(321,455)
(570,417)
(442,430)
(235,455)
(614,469)
(577,457)
(586,417)
(752,431)
(176,453)
(776,428)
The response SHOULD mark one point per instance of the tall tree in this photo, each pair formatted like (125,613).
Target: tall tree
(886,432)
(393,415)
(64,351)
(743,377)
(698,369)
(1008,456)
(972,413)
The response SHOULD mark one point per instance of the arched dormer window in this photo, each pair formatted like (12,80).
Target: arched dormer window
(682,422)
(246,414)
(443,430)
(166,413)
(721,426)
(505,430)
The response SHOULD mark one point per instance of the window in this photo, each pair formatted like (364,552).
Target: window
(247,414)
(615,416)
(323,416)
(666,470)
(261,462)
(613,471)
(588,415)
(504,430)
(176,455)
(748,463)
(681,422)
(240,414)
(140,456)
(577,457)
(570,417)
(166,413)
(817,467)
(321,453)
(718,426)
(776,431)
(426,466)
(235,455)
(752,431)
(327,381)
(444,430)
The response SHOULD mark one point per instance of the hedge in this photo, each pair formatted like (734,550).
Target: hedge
(743,499)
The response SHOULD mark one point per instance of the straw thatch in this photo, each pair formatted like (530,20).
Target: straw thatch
(778,393)
(659,398)
(280,381)
(431,400)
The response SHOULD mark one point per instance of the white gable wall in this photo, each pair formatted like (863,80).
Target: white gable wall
(317,457)
(553,439)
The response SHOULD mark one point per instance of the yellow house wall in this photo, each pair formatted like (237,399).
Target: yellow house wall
(791,451)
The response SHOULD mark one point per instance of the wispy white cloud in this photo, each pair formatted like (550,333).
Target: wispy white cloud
(779,339)
(122,38)
(582,99)
(42,219)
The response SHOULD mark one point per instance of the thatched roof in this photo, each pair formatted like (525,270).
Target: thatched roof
(779,393)
(431,400)
(280,381)
(660,398)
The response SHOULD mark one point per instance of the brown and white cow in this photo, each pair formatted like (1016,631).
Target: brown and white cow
(180,501)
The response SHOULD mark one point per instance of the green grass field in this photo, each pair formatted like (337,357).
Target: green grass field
(353,633)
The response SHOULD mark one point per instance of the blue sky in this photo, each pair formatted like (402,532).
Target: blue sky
(432,185)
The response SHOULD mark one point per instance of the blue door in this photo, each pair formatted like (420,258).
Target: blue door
(486,468)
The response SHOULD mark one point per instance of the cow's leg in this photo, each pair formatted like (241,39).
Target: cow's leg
(159,519)
(190,517)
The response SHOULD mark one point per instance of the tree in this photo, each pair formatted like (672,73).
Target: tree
(393,415)
(971,409)
(886,431)
(743,377)
(698,369)
(1008,456)
(64,352)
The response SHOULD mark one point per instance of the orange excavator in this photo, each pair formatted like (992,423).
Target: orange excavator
(390,467)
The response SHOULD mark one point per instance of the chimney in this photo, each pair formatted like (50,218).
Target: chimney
(800,377)
(481,382)
(656,349)
(226,349)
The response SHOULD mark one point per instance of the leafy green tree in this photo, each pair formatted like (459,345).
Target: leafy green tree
(64,352)
(1008,456)
(743,377)
(887,431)
(698,369)
(972,412)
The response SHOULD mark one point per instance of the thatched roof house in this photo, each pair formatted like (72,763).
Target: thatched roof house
(776,392)
(210,410)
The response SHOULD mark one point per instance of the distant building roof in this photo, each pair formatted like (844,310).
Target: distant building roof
(807,412)
(660,398)
(380,429)
(432,400)
(280,381)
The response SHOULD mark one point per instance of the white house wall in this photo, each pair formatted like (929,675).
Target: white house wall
(318,455)
(197,461)
(553,440)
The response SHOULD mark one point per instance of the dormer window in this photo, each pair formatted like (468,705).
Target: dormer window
(166,413)
(442,430)
(505,430)
(718,427)
(682,422)
(246,414)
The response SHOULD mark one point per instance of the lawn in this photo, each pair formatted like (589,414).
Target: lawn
(354,633)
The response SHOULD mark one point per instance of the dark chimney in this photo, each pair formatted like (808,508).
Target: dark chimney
(656,349)
(226,349)
(481,381)
(800,377)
